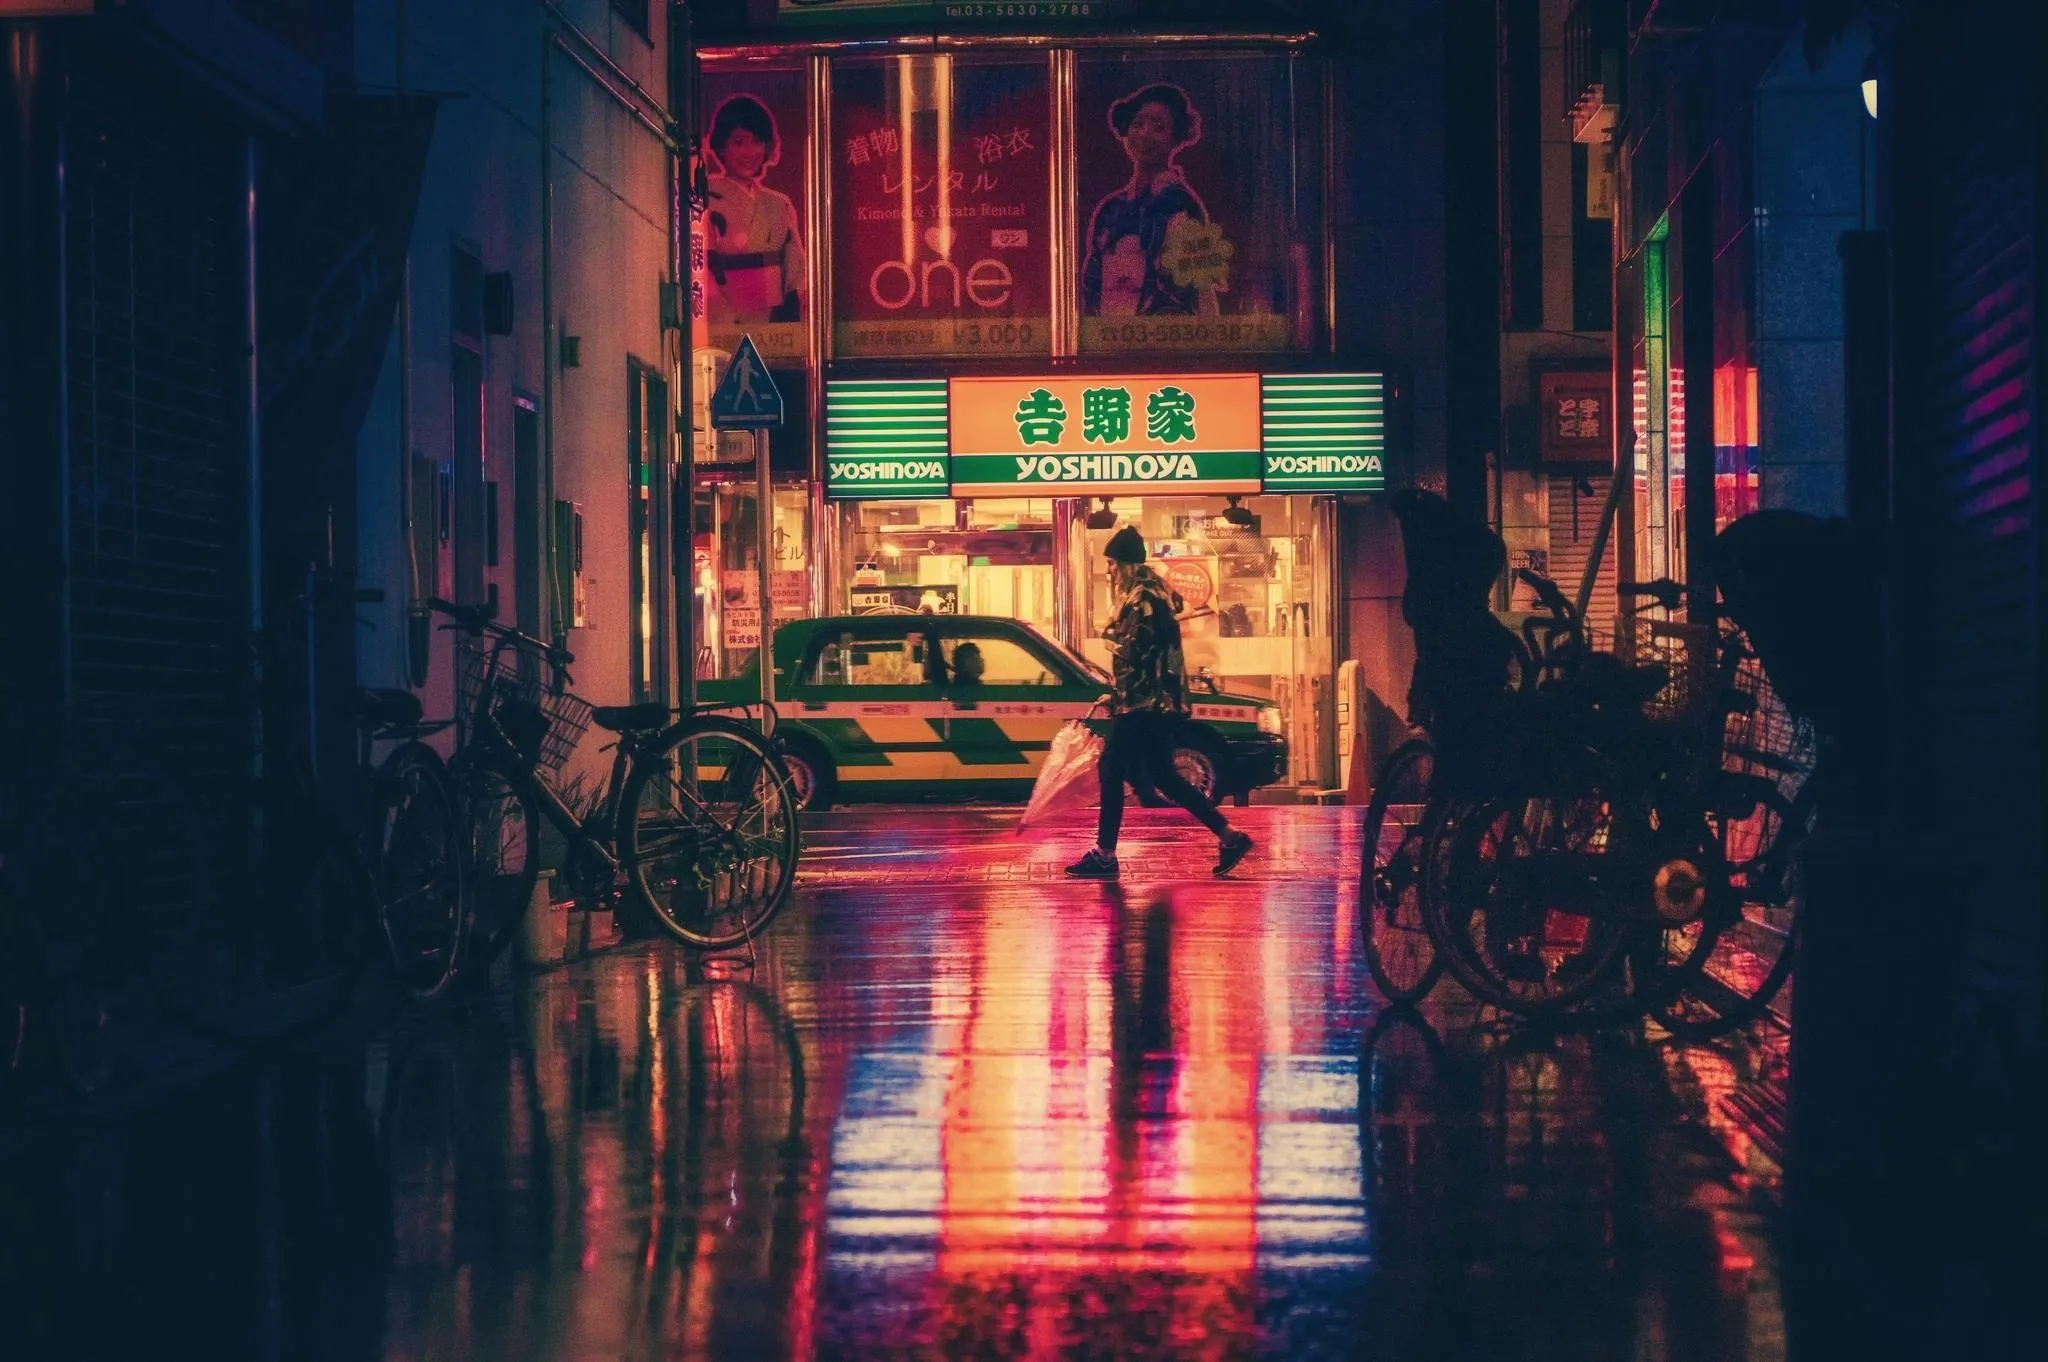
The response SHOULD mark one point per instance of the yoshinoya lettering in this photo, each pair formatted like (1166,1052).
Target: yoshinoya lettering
(1282,464)
(1107,468)
(885,470)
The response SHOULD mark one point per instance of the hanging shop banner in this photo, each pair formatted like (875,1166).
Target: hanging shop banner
(756,144)
(1105,435)
(1572,409)
(941,207)
(1324,432)
(1015,14)
(1199,218)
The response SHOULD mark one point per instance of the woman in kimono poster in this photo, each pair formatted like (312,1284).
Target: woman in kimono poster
(1148,254)
(756,252)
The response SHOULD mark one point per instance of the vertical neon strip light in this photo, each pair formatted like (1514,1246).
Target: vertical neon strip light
(1654,461)
(906,111)
(942,101)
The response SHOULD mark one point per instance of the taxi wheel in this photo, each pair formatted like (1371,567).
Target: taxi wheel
(810,775)
(1201,766)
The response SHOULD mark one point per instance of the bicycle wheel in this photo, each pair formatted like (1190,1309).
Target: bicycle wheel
(1398,948)
(1743,959)
(1517,922)
(419,864)
(503,842)
(708,833)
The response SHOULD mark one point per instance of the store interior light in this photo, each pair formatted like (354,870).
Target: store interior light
(1870,85)
(1236,514)
(1102,518)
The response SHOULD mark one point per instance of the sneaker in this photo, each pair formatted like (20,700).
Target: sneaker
(1235,847)
(1094,866)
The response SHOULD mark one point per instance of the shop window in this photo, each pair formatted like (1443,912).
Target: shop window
(979,556)
(1198,182)
(726,545)
(942,206)
(993,661)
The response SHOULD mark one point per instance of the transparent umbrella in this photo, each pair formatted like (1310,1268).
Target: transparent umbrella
(1068,774)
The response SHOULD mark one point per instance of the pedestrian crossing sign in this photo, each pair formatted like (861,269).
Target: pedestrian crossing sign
(746,398)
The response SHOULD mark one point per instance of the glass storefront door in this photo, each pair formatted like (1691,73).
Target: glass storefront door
(1258,614)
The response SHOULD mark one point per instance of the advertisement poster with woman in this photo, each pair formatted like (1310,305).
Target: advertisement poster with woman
(1192,212)
(755,268)
(941,191)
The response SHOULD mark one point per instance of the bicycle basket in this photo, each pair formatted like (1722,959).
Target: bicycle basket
(1762,738)
(1687,653)
(543,723)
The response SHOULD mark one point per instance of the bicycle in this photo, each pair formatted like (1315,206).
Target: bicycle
(351,875)
(1609,843)
(696,827)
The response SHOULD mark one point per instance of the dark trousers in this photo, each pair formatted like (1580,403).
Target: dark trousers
(1139,749)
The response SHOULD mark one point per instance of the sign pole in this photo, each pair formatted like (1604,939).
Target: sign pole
(766,534)
(747,399)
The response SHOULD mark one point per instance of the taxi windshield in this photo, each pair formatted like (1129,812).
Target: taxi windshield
(1080,663)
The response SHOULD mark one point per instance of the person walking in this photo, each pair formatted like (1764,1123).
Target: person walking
(1148,705)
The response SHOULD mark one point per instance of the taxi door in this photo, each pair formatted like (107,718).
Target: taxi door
(1006,700)
(871,692)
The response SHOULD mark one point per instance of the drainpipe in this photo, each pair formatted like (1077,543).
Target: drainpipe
(550,345)
(418,636)
(254,453)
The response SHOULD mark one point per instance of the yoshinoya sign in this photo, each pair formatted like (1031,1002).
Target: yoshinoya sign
(1105,435)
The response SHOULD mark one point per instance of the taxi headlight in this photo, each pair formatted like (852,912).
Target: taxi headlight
(1269,721)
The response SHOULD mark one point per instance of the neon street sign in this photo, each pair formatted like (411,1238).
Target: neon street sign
(1105,435)
(1323,432)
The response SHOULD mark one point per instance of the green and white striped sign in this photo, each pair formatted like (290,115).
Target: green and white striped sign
(886,437)
(1324,432)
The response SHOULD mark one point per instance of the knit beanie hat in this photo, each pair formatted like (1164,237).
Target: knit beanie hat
(1126,546)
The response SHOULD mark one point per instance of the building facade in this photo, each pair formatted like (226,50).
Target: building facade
(519,447)
(1022,282)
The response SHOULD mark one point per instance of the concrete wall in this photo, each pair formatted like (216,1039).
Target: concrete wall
(1387,212)
(1813,169)
(1524,501)
(483,190)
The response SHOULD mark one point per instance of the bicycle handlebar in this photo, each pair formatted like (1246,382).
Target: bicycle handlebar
(1667,593)
(476,619)
(1547,592)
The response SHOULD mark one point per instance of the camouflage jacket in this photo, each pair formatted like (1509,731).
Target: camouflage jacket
(1144,646)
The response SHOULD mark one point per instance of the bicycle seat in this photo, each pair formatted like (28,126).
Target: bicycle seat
(630,718)
(380,708)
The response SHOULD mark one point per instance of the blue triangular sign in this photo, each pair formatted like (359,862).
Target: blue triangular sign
(746,398)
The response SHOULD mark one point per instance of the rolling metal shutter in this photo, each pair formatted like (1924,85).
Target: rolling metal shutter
(1972,436)
(157,530)
(1574,522)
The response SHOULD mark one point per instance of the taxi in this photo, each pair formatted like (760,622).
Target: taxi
(887,707)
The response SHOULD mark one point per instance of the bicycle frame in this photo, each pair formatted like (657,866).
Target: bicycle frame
(598,835)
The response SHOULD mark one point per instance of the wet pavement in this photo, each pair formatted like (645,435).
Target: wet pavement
(953,1107)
